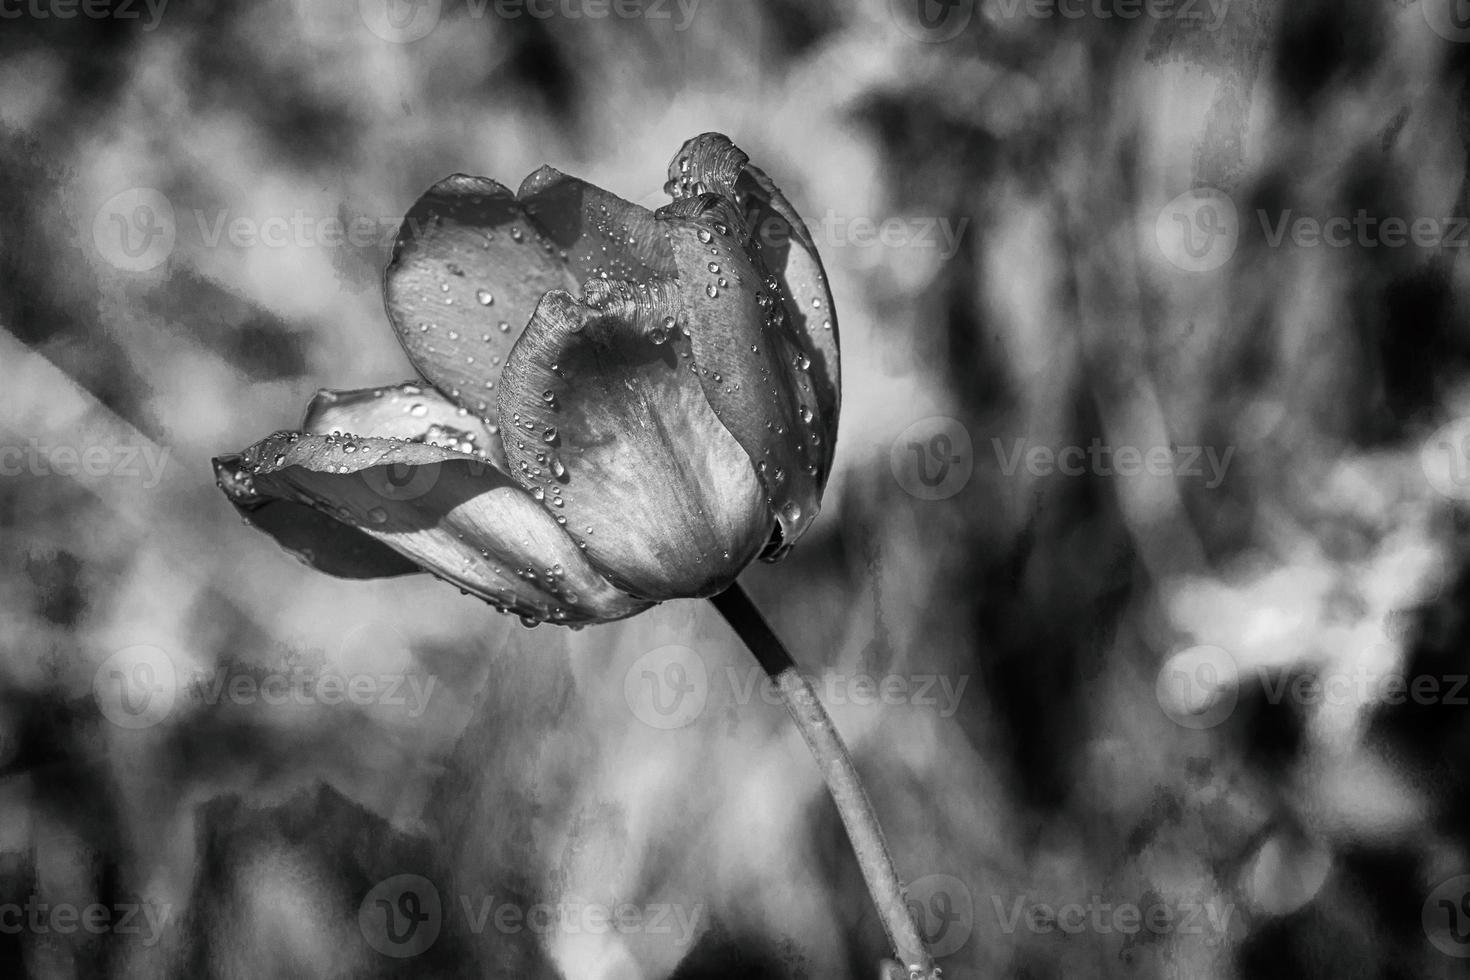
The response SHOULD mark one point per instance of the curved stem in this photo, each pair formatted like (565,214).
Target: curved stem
(841,776)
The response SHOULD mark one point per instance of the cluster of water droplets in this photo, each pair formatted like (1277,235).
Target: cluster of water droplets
(617,242)
(775,333)
(520,579)
(651,306)
(277,452)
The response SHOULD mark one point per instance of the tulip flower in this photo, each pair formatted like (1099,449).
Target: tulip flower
(617,408)
(621,407)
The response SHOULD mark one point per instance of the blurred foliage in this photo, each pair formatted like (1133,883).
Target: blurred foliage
(1053,144)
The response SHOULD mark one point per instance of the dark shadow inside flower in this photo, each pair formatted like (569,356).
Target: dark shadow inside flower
(326,543)
(649,479)
(472,261)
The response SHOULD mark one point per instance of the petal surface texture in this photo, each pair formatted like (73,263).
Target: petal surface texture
(412,410)
(775,233)
(603,418)
(753,366)
(472,260)
(450,513)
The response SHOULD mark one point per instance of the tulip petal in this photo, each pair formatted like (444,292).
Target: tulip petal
(602,418)
(411,411)
(710,163)
(323,543)
(472,260)
(754,370)
(449,513)
(602,235)
(468,269)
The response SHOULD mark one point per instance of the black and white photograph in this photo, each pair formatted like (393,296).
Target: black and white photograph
(735,489)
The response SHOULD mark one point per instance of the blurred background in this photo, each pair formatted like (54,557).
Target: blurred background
(1136,591)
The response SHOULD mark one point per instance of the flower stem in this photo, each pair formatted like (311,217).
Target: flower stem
(842,778)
